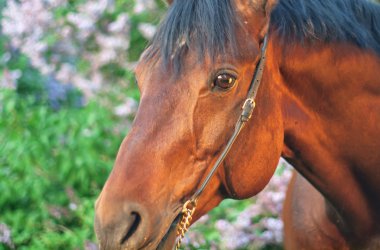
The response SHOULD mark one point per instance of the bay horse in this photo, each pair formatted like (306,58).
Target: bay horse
(318,107)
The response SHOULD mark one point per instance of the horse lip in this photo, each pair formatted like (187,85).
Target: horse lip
(171,230)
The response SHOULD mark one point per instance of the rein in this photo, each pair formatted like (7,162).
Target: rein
(249,105)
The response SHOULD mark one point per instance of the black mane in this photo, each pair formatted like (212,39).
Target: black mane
(208,26)
(353,21)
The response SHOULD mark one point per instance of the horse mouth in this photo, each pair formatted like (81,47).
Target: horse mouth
(169,240)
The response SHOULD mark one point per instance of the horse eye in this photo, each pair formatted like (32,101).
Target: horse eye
(224,81)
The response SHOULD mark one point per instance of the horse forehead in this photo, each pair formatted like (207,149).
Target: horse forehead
(155,70)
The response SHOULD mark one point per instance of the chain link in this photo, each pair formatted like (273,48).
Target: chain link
(187,216)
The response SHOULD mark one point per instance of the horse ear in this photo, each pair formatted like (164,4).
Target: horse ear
(269,5)
(265,5)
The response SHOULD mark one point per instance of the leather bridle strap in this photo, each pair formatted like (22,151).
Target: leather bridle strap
(247,110)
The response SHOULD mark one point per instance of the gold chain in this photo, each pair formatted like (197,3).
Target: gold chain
(187,215)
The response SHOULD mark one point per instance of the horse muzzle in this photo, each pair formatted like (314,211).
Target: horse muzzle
(133,226)
(126,229)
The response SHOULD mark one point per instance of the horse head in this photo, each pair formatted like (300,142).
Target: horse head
(186,115)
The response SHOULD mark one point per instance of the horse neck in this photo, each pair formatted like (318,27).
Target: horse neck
(331,112)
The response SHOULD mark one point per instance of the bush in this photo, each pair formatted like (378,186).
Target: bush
(53,165)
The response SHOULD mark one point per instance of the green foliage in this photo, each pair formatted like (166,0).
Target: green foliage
(137,40)
(227,210)
(53,165)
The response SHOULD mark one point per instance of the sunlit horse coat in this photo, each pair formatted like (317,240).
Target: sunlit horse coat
(318,106)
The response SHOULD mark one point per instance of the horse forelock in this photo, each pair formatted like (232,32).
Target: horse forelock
(207,27)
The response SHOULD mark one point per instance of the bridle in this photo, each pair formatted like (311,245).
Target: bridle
(249,105)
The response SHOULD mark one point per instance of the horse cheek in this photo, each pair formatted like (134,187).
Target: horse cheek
(253,162)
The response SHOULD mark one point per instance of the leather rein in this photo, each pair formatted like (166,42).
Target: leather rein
(249,105)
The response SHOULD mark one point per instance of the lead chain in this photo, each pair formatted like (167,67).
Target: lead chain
(187,215)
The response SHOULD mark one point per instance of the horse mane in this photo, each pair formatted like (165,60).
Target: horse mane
(353,21)
(208,26)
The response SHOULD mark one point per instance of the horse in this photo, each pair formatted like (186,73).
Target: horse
(318,107)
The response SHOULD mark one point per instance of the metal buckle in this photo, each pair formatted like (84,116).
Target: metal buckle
(248,107)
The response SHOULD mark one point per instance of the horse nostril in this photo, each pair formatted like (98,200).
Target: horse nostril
(136,219)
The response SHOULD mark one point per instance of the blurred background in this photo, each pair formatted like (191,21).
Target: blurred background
(67,99)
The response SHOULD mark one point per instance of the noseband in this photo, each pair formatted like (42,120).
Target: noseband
(188,208)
